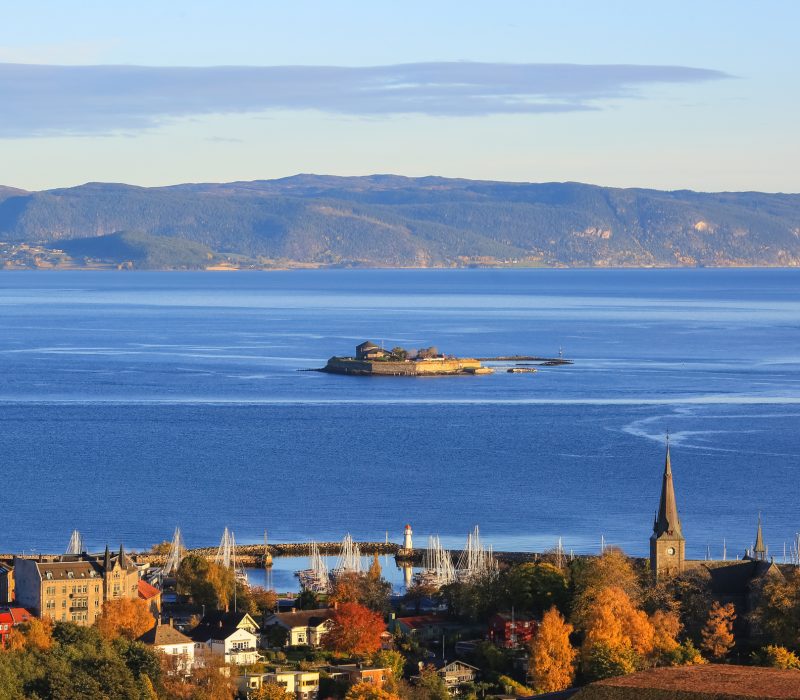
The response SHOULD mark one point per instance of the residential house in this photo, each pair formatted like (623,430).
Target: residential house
(456,674)
(9,618)
(304,685)
(302,627)
(358,673)
(150,595)
(511,632)
(173,644)
(424,627)
(229,634)
(73,587)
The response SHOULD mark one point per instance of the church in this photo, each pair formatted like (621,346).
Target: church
(735,581)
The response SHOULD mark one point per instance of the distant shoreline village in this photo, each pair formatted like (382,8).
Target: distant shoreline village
(373,360)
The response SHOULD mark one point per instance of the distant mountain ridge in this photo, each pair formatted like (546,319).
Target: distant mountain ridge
(389,220)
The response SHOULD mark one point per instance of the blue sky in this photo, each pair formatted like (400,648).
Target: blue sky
(701,95)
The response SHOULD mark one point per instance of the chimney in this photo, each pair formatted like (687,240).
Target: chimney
(171,622)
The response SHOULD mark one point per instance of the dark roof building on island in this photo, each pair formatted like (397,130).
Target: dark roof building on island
(368,351)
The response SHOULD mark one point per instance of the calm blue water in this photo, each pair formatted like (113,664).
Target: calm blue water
(132,403)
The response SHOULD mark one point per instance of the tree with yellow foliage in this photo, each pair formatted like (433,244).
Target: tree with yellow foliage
(776,657)
(717,635)
(552,660)
(124,617)
(369,691)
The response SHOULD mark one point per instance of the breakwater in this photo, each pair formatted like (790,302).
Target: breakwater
(252,555)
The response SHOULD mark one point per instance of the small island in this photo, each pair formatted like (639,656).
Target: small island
(371,359)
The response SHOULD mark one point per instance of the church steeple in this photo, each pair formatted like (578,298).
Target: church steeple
(760,549)
(667,520)
(667,544)
(107,559)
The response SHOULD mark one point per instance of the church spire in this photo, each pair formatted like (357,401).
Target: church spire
(667,520)
(760,550)
(107,559)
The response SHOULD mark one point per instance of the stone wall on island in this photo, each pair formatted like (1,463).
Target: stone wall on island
(433,366)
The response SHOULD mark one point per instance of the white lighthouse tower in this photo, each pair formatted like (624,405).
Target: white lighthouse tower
(407,543)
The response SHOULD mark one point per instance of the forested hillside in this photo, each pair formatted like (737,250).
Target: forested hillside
(396,221)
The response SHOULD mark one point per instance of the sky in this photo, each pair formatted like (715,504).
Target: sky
(672,95)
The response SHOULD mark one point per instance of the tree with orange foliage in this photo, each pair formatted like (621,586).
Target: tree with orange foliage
(347,588)
(613,619)
(355,630)
(666,627)
(552,660)
(271,691)
(612,568)
(369,691)
(717,635)
(124,617)
(618,635)
(37,633)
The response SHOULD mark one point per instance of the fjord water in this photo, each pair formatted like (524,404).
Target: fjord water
(134,402)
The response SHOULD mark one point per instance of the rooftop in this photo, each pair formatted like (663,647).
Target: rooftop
(164,635)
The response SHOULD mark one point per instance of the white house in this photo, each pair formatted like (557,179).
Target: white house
(231,635)
(304,685)
(303,627)
(173,644)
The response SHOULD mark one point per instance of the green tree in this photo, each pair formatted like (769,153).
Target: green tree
(207,583)
(606,661)
(431,685)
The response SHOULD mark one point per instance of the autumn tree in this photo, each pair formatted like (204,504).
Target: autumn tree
(369,589)
(592,576)
(623,634)
(271,691)
(355,630)
(37,634)
(717,635)
(666,627)
(777,612)
(265,601)
(552,659)
(776,657)
(430,685)
(390,659)
(124,617)
(368,691)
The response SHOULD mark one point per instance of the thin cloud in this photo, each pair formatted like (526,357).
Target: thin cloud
(67,100)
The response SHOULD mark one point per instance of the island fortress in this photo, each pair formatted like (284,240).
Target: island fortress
(370,359)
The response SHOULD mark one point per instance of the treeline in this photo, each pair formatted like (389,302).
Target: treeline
(603,617)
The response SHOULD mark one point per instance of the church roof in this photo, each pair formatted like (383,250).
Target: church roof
(667,520)
(760,548)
